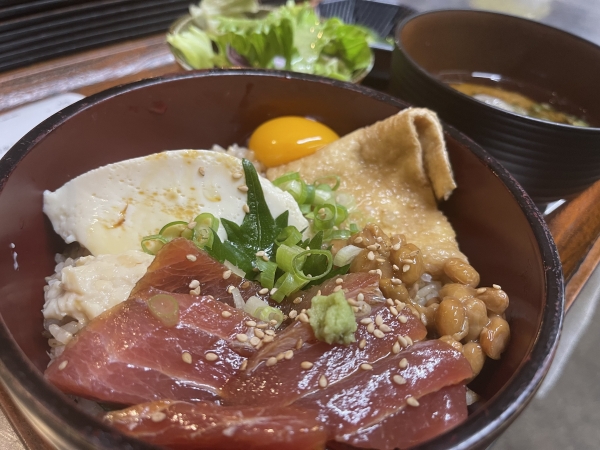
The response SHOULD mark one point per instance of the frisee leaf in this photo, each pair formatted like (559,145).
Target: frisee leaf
(257,232)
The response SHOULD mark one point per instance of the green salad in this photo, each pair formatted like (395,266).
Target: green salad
(290,37)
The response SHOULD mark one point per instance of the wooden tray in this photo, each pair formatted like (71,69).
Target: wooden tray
(575,226)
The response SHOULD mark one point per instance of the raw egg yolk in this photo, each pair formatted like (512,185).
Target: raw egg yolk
(284,139)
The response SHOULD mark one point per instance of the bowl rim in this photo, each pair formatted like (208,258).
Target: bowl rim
(479,104)
(26,385)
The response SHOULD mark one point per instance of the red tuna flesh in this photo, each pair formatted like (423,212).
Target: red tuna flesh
(180,425)
(437,412)
(180,261)
(373,395)
(126,355)
(285,382)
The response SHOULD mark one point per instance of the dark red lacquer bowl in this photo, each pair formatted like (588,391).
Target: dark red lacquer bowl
(497,224)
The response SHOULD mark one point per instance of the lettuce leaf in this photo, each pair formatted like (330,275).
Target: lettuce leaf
(292,33)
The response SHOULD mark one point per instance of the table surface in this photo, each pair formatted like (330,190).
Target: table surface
(93,71)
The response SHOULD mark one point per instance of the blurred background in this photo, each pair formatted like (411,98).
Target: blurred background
(565,413)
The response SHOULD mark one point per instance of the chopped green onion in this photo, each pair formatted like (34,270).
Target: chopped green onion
(286,284)
(165,308)
(203,236)
(325,217)
(341,214)
(353,228)
(268,313)
(323,181)
(336,234)
(305,209)
(346,255)
(298,263)
(286,178)
(152,244)
(173,230)
(290,235)
(285,257)
(322,195)
(267,272)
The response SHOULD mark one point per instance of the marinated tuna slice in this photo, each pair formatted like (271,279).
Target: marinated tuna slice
(180,262)
(437,412)
(352,285)
(132,354)
(180,425)
(302,361)
(392,384)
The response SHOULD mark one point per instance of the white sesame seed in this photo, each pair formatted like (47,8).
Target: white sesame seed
(378,320)
(402,341)
(372,271)
(378,334)
(265,258)
(158,416)
(272,322)
(323,381)
(379,272)
(226,274)
(380,260)
(366,321)
(394,311)
(303,318)
(246,208)
(396,247)
(250,323)
(271,361)
(408,339)
(293,314)
(379,239)
(289,354)
(262,325)
(383,327)
(339,281)
(187,358)
(370,256)
(411,401)
(362,344)
(389,301)
(259,333)
(241,337)
(337,288)
(395,267)
(255,340)
(191,258)
(396,281)
(192,225)
(226,314)
(403,364)
(405,268)
(195,291)
(402,318)
(372,247)
(306,365)
(279,356)
(230,289)
(400,305)
(243,188)
(396,348)
(297,300)
(496,286)
(360,297)
(481,290)
(201,171)
(270,332)
(263,291)
(236,175)
(260,253)
(371,328)
(194,284)
(299,343)
(62,365)
(399,379)
(273,291)
(210,356)
(366,366)
(244,365)
(352,302)
(358,240)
